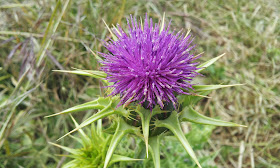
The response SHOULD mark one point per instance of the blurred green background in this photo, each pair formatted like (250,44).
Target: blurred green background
(38,36)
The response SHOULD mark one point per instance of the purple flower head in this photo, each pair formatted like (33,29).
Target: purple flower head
(149,64)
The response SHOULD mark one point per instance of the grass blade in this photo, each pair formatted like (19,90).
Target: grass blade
(46,44)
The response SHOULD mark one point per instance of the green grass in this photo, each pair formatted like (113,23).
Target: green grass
(37,37)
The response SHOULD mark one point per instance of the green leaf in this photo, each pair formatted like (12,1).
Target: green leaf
(82,107)
(145,119)
(70,150)
(70,164)
(173,124)
(186,100)
(109,110)
(208,63)
(154,150)
(95,74)
(83,135)
(211,87)
(122,129)
(76,124)
(189,114)
(99,115)
(118,158)
(114,142)
(99,103)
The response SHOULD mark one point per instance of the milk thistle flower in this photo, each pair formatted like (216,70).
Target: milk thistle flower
(149,64)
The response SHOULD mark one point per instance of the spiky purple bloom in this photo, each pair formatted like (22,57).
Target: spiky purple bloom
(148,64)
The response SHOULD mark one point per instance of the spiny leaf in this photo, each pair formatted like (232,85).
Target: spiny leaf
(146,116)
(211,87)
(173,124)
(208,63)
(80,140)
(122,129)
(99,103)
(99,131)
(154,150)
(145,119)
(189,114)
(94,74)
(114,142)
(101,114)
(70,164)
(76,125)
(82,107)
(118,158)
(106,101)
(186,100)
(84,137)
(70,150)
(110,109)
